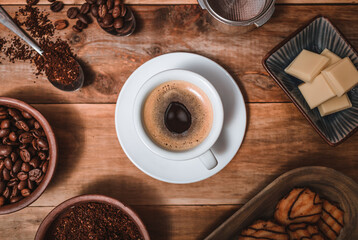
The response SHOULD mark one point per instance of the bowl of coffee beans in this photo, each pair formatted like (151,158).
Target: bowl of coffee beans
(92,217)
(28,154)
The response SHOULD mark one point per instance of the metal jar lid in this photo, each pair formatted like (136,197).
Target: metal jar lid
(240,12)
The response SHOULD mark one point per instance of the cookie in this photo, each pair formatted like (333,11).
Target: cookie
(331,221)
(264,230)
(300,205)
(299,231)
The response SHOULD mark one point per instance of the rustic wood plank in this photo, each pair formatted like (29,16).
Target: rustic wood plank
(162,222)
(164,2)
(110,60)
(91,159)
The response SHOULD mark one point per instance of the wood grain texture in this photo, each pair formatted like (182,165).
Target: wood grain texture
(162,222)
(109,60)
(164,2)
(91,159)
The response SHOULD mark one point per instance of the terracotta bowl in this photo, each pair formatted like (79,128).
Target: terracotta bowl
(14,103)
(63,207)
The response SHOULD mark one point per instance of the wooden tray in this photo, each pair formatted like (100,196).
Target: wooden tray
(328,183)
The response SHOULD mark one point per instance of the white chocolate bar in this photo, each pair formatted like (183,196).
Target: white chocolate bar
(307,65)
(334,105)
(333,58)
(316,92)
(341,76)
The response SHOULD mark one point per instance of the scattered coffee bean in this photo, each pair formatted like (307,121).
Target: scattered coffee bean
(83,18)
(22,166)
(56,6)
(76,29)
(61,24)
(81,25)
(72,12)
(85,8)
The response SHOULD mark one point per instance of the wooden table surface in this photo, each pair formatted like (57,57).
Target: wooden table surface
(278,138)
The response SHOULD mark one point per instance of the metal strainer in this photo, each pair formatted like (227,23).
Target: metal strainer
(240,12)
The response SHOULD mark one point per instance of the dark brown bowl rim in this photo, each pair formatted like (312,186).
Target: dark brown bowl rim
(277,47)
(57,211)
(13,207)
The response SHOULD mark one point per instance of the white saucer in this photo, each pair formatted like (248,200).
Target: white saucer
(181,171)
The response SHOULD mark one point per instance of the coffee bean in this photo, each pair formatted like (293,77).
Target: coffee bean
(25,192)
(17,166)
(83,18)
(25,155)
(81,26)
(42,144)
(31,184)
(22,185)
(5,150)
(8,164)
(15,191)
(37,125)
(6,192)
(2,201)
(39,180)
(42,155)
(5,124)
(76,29)
(91,1)
(25,167)
(35,162)
(102,10)
(12,183)
(99,2)
(61,24)
(22,176)
(15,199)
(25,138)
(118,23)
(3,113)
(4,132)
(110,4)
(15,114)
(2,187)
(44,167)
(26,115)
(94,10)
(85,8)
(6,174)
(35,174)
(108,20)
(116,12)
(22,125)
(123,10)
(13,136)
(13,156)
(37,133)
(56,6)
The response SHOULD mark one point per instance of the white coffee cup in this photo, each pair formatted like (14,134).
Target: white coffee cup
(202,151)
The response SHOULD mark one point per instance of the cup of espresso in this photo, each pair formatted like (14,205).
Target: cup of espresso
(179,115)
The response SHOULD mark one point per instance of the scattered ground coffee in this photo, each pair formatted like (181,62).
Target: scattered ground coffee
(57,62)
(94,221)
(24,155)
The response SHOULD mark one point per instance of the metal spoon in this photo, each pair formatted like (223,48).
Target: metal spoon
(7,21)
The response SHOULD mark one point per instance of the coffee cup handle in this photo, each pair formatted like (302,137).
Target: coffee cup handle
(209,160)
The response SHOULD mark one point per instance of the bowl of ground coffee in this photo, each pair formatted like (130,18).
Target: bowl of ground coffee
(92,217)
(28,154)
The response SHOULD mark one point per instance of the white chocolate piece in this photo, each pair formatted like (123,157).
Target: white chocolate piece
(316,92)
(334,105)
(341,76)
(307,65)
(333,58)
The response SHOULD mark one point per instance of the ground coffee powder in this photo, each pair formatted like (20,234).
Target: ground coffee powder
(94,221)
